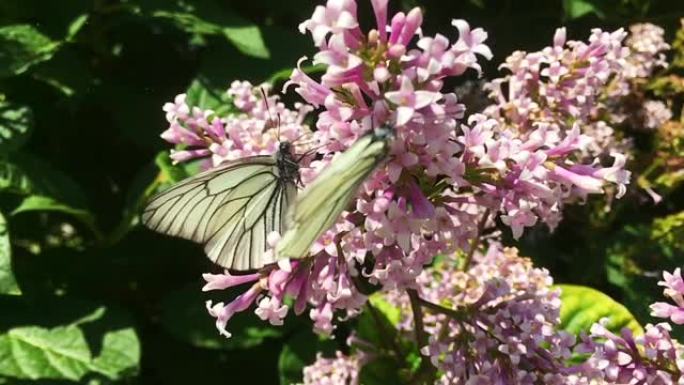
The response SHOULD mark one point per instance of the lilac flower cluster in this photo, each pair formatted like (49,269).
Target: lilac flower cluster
(653,358)
(647,47)
(494,323)
(443,178)
(341,370)
(498,323)
(547,139)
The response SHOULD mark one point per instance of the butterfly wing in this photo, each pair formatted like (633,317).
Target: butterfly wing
(231,209)
(319,205)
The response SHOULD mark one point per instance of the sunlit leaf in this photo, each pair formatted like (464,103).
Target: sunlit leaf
(22,46)
(44,203)
(248,40)
(575,9)
(76,26)
(16,122)
(583,306)
(8,284)
(33,352)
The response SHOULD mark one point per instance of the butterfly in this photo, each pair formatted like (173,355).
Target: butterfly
(319,205)
(231,209)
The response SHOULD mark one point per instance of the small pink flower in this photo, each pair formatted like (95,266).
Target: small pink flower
(226,280)
(272,310)
(408,100)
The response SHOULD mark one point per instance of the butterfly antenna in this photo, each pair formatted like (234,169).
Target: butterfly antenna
(311,151)
(268,110)
(278,129)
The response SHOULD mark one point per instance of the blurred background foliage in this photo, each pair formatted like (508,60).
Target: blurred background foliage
(87,295)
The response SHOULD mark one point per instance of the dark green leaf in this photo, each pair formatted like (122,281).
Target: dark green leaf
(43,203)
(22,46)
(24,174)
(299,351)
(207,96)
(8,284)
(583,306)
(16,122)
(189,23)
(377,324)
(380,371)
(185,317)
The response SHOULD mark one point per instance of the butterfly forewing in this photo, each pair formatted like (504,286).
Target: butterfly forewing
(231,209)
(320,204)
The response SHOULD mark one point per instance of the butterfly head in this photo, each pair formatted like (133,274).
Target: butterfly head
(285,147)
(287,164)
(384,133)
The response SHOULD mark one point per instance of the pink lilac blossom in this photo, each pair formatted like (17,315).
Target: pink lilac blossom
(653,358)
(674,289)
(253,130)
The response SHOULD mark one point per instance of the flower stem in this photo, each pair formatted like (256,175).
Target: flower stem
(455,314)
(476,240)
(426,371)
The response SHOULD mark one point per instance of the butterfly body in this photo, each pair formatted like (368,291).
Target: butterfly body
(320,204)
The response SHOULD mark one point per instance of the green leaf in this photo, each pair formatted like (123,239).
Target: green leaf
(24,174)
(380,371)
(169,173)
(75,27)
(22,46)
(185,317)
(299,351)
(284,74)
(575,9)
(583,306)
(207,96)
(392,313)
(33,352)
(377,324)
(189,23)
(16,122)
(8,284)
(247,39)
(44,203)
(120,354)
